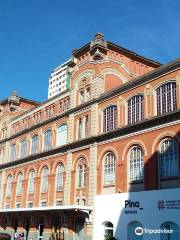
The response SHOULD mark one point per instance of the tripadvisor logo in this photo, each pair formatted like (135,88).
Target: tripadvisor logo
(139,231)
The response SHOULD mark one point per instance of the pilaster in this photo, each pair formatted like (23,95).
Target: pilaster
(67,188)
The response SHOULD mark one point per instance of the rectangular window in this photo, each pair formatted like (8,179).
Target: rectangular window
(49,112)
(18,205)
(30,205)
(34,147)
(58,203)
(43,204)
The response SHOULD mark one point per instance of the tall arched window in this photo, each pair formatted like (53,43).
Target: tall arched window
(9,185)
(44,179)
(86,125)
(13,152)
(79,128)
(168,158)
(62,135)
(47,140)
(110,118)
(35,142)
(19,184)
(135,109)
(82,173)
(172,231)
(136,164)
(166,98)
(109,168)
(59,177)
(31,181)
(23,148)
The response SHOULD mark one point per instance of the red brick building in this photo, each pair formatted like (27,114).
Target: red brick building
(115,130)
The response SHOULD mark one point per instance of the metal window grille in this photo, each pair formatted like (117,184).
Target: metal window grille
(135,109)
(136,164)
(168,158)
(110,118)
(166,98)
(109,169)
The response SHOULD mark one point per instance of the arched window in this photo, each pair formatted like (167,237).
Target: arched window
(44,179)
(19,184)
(108,230)
(23,148)
(82,173)
(110,118)
(13,152)
(62,135)
(131,231)
(109,168)
(135,109)
(86,125)
(172,231)
(79,128)
(166,98)
(59,177)
(47,140)
(31,181)
(168,158)
(35,142)
(9,185)
(136,164)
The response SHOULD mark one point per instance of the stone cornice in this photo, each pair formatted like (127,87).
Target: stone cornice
(147,124)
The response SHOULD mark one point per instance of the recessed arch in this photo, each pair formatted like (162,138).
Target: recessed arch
(130,145)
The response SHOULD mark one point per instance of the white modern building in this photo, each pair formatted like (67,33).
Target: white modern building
(58,80)
(146,215)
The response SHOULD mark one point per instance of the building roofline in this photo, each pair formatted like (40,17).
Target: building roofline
(110,45)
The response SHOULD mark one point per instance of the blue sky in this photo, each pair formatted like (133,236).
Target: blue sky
(38,35)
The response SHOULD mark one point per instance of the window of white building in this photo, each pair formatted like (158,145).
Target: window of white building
(109,168)
(166,98)
(136,164)
(168,158)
